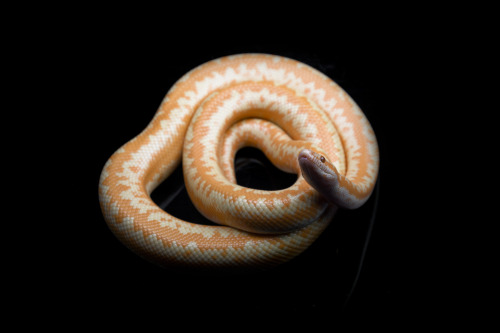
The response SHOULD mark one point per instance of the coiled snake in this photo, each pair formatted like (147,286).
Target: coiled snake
(304,123)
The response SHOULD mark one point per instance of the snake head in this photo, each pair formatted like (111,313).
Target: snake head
(323,176)
(318,172)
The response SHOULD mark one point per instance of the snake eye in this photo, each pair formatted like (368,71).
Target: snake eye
(322,159)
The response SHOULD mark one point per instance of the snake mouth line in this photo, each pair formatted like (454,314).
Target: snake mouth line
(305,164)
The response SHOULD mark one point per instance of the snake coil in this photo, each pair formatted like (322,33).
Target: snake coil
(304,123)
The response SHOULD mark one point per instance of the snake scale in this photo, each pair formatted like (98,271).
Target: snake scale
(303,122)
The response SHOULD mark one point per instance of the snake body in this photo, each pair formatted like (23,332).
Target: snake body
(304,123)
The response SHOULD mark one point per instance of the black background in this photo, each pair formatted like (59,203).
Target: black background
(110,82)
(131,80)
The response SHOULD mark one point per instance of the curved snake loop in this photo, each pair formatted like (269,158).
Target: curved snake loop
(304,123)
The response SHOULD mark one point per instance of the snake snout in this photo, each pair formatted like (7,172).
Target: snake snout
(312,162)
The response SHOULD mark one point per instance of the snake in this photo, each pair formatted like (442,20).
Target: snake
(303,122)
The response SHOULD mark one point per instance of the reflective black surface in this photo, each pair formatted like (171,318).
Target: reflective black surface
(319,281)
(403,271)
